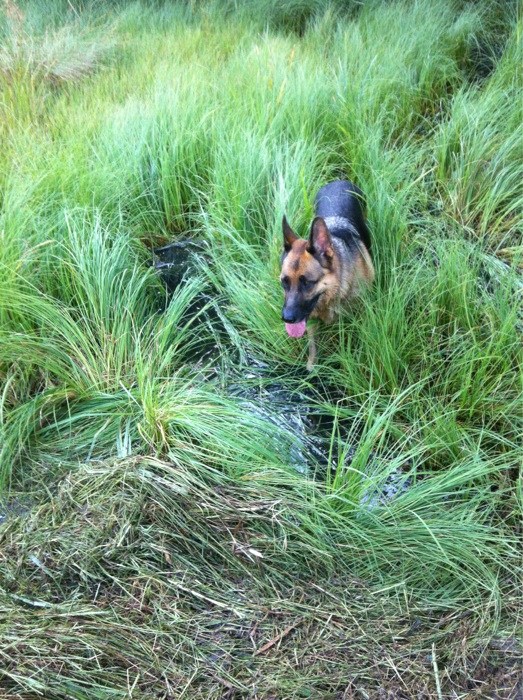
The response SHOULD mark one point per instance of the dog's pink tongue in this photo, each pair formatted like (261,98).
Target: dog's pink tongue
(296,330)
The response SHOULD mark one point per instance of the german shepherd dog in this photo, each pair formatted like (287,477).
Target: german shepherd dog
(332,266)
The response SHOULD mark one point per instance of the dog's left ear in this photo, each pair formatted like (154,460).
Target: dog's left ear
(320,241)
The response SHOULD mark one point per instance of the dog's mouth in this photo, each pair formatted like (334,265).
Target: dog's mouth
(296,330)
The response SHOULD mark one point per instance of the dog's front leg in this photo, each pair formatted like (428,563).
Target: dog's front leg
(313,351)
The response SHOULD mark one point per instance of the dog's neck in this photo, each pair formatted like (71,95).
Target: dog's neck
(344,273)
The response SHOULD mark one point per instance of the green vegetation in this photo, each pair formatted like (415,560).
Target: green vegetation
(164,532)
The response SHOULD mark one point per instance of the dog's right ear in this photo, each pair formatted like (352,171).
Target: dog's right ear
(288,234)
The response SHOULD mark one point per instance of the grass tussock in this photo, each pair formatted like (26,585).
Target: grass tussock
(65,55)
(35,65)
(169,526)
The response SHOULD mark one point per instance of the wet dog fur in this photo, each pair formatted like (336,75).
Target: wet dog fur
(331,267)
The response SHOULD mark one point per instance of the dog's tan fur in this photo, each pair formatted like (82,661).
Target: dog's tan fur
(340,272)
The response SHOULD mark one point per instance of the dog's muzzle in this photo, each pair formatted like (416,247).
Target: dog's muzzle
(295,317)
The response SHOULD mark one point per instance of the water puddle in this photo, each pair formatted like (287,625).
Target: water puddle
(260,389)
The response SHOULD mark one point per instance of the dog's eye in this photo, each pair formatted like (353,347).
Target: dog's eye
(308,284)
(285,283)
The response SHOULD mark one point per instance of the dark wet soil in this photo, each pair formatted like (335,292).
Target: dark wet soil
(174,262)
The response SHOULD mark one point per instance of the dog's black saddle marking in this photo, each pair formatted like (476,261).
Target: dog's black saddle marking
(340,204)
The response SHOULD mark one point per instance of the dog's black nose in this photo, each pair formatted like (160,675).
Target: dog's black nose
(289,316)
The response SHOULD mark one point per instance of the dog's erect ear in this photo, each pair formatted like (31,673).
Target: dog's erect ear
(288,234)
(320,241)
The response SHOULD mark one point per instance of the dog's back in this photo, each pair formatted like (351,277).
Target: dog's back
(340,204)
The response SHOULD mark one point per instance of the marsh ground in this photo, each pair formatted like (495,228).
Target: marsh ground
(167,529)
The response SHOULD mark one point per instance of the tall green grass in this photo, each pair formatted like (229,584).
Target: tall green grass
(160,492)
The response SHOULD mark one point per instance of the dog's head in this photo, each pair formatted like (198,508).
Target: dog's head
(306,273)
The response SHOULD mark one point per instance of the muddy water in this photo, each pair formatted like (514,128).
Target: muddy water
(258,387)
